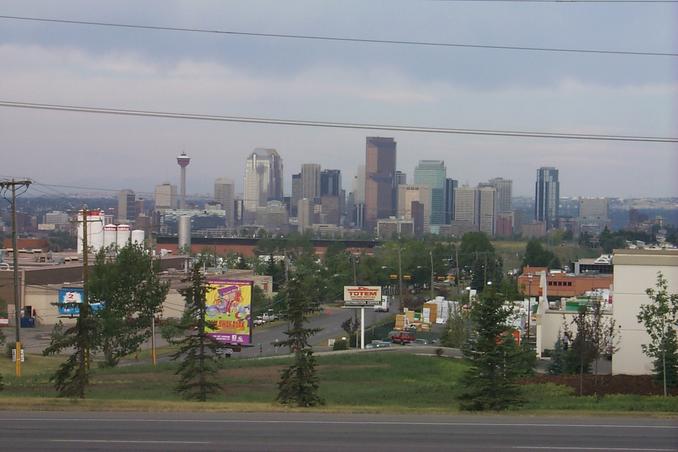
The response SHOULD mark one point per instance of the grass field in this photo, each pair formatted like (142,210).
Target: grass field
(512,251)
(364,382)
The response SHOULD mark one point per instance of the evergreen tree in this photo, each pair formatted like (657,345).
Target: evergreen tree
(197,350)
(489,384)
(131,294)
(298,383)
(557,364)
(526,360)
(660,318)
(72,377)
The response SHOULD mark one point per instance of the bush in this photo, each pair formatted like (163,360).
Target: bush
(170,330)
(340,344)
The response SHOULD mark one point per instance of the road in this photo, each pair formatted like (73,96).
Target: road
(329,321)
(67,431)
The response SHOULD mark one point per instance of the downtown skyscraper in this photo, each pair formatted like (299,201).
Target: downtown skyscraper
(263,180)
(380,180)
(433,174)
(547,197)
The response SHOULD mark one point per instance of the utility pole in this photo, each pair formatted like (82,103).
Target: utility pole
(400,278)
(456,261)
(432,292)
(84,309)
(12,185)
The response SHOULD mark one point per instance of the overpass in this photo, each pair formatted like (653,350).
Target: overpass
(246,245)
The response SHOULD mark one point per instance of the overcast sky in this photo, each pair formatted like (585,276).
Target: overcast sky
(343,82)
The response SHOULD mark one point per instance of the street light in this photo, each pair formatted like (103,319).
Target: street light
(529,306)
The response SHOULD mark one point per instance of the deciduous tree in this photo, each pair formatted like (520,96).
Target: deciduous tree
(130,292)
(660,319)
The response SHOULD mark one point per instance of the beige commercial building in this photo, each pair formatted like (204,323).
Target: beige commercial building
(419,193)
(635,271)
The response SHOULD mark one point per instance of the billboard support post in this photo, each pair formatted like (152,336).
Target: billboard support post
(362,328)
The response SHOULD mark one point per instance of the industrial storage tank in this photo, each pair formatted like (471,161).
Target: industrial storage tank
(95,230)
(138,236)
(123,235)
(110,235)
(184,232)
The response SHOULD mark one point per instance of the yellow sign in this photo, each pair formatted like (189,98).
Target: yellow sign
(229,307)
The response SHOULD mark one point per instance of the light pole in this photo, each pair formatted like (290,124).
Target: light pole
(355,273)
(400,279)
(529,306)
(432,292)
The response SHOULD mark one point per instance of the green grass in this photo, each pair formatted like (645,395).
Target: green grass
(512,251)
(355,382)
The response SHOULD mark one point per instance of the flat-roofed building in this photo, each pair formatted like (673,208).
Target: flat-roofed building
(635,271)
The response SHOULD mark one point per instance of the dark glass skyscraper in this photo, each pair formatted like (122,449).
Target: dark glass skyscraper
(380,168)
(547,197)
(330,182)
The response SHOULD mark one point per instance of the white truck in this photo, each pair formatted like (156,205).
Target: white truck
(384,306)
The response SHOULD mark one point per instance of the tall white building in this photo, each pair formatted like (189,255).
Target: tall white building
(263,180)
(359,185)
(504,188)
(305,214)
(165,196)
(310,180)
(224,194)
(487,209)
(465,204)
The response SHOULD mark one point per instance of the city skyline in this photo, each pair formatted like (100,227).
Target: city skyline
(344,82)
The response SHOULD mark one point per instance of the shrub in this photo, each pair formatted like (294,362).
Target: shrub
(340,344)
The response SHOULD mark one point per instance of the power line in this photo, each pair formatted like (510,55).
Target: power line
(337,38)
(336,125)
(557,1)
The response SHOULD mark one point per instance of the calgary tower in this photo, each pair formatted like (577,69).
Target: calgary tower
(183,160)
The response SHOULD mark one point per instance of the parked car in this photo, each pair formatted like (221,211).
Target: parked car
(378,344)
(402,337)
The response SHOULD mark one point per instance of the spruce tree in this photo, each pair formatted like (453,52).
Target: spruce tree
(72,377)
(489,384)
(197,350)
(557,364)
(298,385)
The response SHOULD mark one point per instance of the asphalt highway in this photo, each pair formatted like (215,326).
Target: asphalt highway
(68,431)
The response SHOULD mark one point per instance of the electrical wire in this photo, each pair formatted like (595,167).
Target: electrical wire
(556,1)
(336,125)
(337,38)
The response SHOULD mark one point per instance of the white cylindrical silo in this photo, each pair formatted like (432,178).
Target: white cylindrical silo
(95,230)
(184,232)
(138,237)
(110,235)
(123,235)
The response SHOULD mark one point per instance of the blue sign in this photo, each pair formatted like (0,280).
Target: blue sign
(70,299)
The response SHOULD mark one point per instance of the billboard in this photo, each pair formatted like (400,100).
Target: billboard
(362,295)
(69,301)
(229,306)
